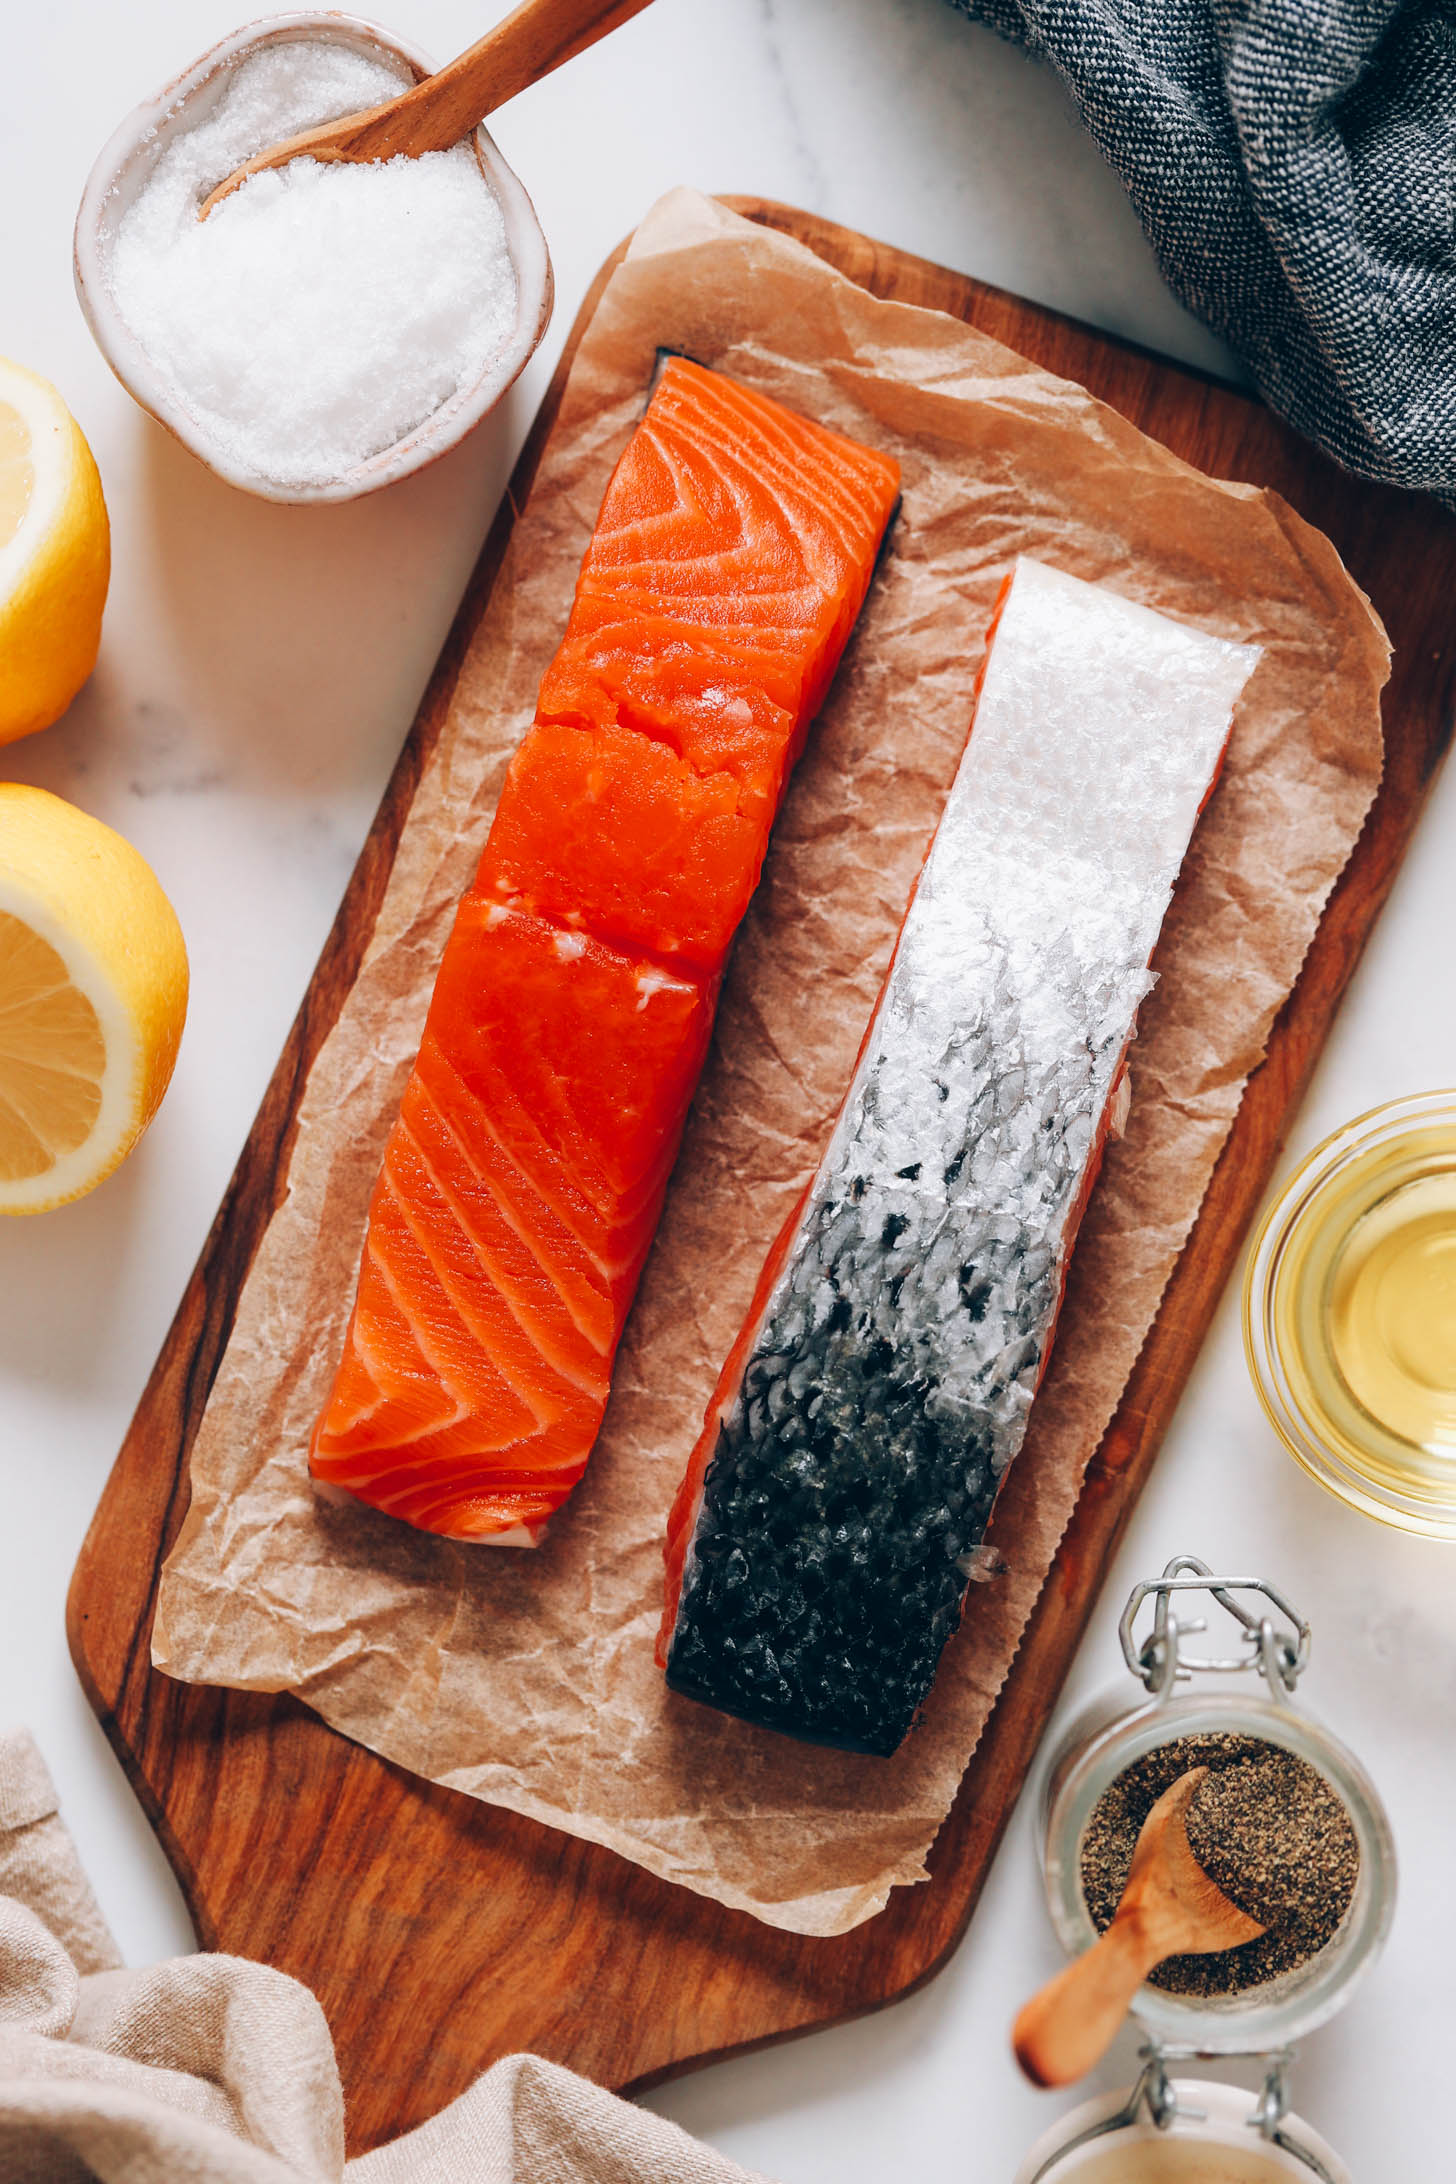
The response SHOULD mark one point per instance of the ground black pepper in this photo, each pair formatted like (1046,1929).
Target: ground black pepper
(1267,1827)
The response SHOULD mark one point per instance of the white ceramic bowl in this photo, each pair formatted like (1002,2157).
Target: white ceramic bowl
(122,169)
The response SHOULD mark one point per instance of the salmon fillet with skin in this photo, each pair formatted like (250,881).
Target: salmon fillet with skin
(820,1548)
(522,1182)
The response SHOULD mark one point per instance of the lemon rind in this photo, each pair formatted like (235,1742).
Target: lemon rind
(55,571)
(56,463)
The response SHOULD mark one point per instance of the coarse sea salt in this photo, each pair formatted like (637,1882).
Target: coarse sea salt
(323,311)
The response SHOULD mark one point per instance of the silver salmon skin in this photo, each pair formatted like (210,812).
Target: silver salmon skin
(820,1546)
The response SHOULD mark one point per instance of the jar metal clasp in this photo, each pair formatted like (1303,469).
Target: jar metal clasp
(1156,2098)
(1277,1645)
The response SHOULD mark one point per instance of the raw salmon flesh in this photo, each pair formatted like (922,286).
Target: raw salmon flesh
(523,1179)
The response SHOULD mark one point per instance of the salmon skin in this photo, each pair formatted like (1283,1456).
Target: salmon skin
(522,1182)
(820,1546)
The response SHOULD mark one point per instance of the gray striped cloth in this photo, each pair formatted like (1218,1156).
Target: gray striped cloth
(1293,163)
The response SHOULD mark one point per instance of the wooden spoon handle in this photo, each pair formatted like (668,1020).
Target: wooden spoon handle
(447,106)
(525,46)
(1069,2026)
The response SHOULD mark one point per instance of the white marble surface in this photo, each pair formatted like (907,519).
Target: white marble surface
(259,669)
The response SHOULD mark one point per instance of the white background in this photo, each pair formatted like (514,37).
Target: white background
(259,670)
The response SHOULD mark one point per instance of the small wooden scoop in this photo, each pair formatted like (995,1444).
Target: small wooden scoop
(447,106)
(1169,1907)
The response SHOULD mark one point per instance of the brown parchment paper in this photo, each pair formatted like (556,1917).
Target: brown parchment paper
(527,1679)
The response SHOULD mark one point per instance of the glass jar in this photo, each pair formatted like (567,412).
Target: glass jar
(1254,1699)
(1348,1330)
(1183,2131)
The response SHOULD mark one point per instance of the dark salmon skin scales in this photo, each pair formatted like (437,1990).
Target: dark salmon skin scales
(820,1548)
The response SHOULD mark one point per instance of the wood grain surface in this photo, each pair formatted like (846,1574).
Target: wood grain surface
(440,1933)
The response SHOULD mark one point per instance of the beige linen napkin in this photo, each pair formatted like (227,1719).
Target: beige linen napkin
(212,2070)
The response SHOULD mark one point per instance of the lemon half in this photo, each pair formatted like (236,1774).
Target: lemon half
(93,996)
(55,554)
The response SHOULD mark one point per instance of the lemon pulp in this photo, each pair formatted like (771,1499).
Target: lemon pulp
(17,472)
(52,1055)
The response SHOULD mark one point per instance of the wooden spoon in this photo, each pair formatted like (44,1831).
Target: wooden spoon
(433,115)
(1169,1907)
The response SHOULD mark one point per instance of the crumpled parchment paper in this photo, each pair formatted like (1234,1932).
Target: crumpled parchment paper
(527,1678)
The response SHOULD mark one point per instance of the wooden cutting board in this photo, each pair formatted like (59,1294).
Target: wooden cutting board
(439,1932)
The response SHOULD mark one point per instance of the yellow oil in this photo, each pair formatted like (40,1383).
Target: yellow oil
(1364,1312)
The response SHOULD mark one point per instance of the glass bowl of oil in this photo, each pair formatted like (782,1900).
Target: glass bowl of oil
(1350,1314)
